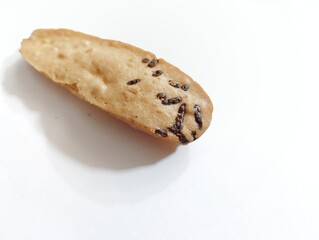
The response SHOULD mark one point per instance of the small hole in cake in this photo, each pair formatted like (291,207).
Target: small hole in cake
(94,92)
(61,56)
(59,76)
(96,68)
(72,87)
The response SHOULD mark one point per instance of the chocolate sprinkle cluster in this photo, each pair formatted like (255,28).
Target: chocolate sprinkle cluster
(177,127)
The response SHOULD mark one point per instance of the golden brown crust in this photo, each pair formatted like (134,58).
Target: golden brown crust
(104,72)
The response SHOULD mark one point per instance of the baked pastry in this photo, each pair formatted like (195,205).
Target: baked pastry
(133,85)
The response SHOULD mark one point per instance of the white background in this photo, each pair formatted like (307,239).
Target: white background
(69,171)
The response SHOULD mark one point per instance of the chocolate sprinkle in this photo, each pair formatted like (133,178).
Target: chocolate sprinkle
(180,116)
(157,73)
(134,81)
(178,134)
(178,125)
(198,116)
(153,63)
(146,60)
(174,84)
(165,101)
(193,133)
(161,96)
(161,132)
(171,101)
(185,87)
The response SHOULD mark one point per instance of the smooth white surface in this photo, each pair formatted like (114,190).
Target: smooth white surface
(69,171)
